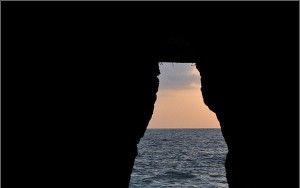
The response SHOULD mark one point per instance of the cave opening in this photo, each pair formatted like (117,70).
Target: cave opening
(183,145)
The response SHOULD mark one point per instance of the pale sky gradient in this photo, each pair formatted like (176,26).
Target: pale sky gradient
(179,101)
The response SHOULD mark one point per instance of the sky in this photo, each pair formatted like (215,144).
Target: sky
(179,101)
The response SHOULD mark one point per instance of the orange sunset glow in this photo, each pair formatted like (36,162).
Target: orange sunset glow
(179,101)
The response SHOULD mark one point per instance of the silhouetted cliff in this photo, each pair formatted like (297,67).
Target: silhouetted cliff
(249,79)
(80,83)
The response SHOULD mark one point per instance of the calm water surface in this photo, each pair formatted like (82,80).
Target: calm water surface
(180,158)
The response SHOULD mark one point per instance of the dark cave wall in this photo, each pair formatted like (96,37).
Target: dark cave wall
(250,81)
(85,88)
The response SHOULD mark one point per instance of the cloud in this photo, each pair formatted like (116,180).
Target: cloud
(178,76)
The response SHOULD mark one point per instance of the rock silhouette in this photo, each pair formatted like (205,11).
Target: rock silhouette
(83,83)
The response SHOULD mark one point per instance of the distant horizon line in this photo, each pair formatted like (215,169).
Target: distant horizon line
(186,128)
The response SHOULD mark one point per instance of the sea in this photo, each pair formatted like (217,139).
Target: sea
(180,158)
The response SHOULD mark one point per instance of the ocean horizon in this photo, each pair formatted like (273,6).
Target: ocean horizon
(182,128)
